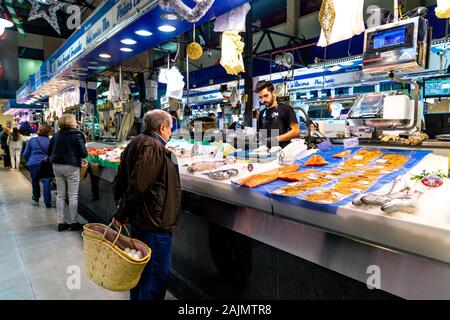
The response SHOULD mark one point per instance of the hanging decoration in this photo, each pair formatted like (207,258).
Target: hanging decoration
(15,18)
(185,12)
(327,15)
(50,17)
(232,50)
(194,50)
(443,9)
(340,20)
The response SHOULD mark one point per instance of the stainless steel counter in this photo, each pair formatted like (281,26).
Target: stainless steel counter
(414,261)
(433,143)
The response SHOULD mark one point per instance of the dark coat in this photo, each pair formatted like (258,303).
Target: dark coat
(4,140)
(67,147)
(147,186)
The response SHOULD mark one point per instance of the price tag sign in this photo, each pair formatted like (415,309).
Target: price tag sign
(351,143)
(324,146)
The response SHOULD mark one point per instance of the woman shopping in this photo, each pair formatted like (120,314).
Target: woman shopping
(35,152)
(15,143)
(66,149)
(5,148)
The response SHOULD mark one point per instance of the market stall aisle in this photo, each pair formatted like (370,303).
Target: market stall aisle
(34,258)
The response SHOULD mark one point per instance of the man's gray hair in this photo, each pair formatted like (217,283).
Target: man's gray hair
(155,118)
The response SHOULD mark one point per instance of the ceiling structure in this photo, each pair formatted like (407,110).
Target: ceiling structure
(41,26)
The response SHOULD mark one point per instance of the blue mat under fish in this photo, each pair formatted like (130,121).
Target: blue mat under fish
(415,156)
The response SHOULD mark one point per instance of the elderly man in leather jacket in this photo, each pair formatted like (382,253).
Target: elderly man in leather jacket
(147,190)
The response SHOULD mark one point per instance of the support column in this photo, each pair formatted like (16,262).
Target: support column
(248,65)
(292,14)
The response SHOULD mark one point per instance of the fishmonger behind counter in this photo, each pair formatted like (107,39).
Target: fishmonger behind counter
(276,116)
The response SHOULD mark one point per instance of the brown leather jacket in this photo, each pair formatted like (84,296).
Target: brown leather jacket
(147,186)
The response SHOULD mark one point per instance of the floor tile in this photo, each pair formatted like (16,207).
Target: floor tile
(17,282)
(39,266)
(18,294)
(34,257)
(57,294)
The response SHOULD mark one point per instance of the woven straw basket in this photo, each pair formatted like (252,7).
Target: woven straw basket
(84,169)
(105,261)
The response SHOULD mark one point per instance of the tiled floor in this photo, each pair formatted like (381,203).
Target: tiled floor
(36,261)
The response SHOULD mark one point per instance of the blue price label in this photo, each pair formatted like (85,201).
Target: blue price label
(351,143)
(324,146)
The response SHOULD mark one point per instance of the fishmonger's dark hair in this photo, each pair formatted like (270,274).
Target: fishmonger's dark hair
(261,85)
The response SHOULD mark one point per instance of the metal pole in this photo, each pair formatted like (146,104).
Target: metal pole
(187,81)
(120,82)
(248,63)
(396,5)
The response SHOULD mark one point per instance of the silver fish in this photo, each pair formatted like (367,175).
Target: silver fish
(380,200)
(222,174)
(209,165)
(404,205)
(357,201)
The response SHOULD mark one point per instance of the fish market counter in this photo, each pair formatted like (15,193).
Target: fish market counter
(279,250)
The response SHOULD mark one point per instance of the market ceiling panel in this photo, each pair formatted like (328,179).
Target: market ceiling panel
(143,34)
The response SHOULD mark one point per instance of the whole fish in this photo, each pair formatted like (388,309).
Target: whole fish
(380,200)
(222,174)
(404,205)
(399,184)
(407,204)
(208,165)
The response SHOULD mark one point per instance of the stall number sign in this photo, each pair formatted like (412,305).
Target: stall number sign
(351,143)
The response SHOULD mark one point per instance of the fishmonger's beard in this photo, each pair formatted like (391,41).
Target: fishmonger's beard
(270,103)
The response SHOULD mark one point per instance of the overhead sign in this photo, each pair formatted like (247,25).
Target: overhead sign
(94,32)
(23,92)
(327,80)
(164,100)
(210,97)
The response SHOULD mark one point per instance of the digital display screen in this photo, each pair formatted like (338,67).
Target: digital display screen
(436,87)
(389,38)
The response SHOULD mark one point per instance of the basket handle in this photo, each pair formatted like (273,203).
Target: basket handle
(118,234)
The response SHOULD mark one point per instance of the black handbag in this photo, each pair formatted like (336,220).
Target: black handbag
(46,167)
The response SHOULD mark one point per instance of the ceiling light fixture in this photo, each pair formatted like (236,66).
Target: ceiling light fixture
(166,28)
(335,68)
(104,56)
(143,33)
(126,49)
(169,16)
(128,42)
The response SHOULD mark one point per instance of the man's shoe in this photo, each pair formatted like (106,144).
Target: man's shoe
(63,226)
(76,226)
(34,199)
(48,205)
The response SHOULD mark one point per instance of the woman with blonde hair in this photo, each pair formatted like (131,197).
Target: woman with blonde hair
(15,143)
(36,151)
(66,149)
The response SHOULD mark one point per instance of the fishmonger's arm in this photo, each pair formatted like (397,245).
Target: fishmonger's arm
(292,134)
